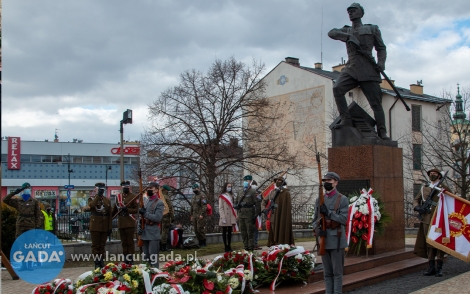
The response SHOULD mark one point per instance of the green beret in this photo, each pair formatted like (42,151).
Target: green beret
(195,186)
(166,187)
(26,185)
(248,178)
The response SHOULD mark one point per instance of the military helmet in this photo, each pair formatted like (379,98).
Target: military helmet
(436,170)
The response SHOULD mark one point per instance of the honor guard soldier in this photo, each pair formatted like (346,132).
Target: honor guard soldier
(126,220)
(29,214)
(335,210)
(199,214)
(168,216)
(248,209)
(422,248)
(100,223)
(150,233)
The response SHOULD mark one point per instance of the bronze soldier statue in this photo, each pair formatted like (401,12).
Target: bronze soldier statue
(29,214)
(126,220)
(100,223)
(359,71)
(199,215)
(168,216)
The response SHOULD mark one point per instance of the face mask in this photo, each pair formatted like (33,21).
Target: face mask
(100,192)
(149,192)
(25,196)
(245,184)
(229,189)
(196,192)
(27,191)
(433,177)
(126,190)
(328,186)
(48,210)
(278,184)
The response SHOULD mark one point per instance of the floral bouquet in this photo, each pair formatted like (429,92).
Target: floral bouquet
(253,265)
(59,286)
(366,216)
(287,262)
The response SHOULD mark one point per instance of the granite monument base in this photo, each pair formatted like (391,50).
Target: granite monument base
(383,167)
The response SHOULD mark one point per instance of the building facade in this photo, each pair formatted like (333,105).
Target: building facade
(52,166)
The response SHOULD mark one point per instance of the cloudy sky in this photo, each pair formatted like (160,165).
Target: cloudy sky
(76,66)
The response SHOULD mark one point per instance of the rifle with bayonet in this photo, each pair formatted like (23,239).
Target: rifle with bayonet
(321,243)
(425,208)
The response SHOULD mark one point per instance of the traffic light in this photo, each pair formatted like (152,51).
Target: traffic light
(127,117)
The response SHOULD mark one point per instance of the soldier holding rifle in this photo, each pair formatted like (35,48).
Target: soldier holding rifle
(126,206)
(335,211)
(422,249)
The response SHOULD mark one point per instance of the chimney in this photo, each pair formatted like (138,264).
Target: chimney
(339,67)
(318,65)
(416,89)
(292,60)
(385,85)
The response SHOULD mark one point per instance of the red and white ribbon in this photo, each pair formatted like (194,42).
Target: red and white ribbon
(239,270)
(371,220)
(297,250)
(350,218)
(174,236)
(259,223)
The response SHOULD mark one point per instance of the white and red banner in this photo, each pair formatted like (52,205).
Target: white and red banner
(450,229)
(14,152)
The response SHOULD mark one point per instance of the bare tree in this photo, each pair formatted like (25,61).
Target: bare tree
(213,126)
(445,142)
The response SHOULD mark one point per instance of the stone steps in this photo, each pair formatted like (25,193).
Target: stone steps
(361,271)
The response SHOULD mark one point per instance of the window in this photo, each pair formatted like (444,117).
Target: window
(417,156)
(46,158)
(87,159)
(56,158)
(97,159)
(416,118)
(25,158)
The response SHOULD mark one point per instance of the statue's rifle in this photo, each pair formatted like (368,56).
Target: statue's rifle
(371,60)
(132,200)
(322,249)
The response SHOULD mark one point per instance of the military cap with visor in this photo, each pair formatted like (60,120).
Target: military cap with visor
(356,5)
(125,183)
(331,175)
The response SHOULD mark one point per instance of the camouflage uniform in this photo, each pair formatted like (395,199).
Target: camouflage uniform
(199,208)
(29,215)
(126,225)
(249,208)
(167,219)
(100,225)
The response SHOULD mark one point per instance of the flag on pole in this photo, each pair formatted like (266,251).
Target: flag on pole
(450,229)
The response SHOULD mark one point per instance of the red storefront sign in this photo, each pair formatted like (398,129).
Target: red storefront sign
(134,150)
(14,151)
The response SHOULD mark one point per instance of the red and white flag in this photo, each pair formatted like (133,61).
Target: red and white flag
(450,229)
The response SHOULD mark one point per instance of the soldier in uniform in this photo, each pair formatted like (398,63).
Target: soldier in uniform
(126,220)
(422,248)
(358,70)
(335,210)
(168,216)
(150,234)
(248,209)
(280,218)
(29,214)
(100,223)
(199,214)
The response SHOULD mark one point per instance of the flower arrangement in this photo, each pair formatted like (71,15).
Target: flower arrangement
(366,218)
(235,272)
(59,286)
(287,262)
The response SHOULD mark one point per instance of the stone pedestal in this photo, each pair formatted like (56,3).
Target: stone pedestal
(383,166)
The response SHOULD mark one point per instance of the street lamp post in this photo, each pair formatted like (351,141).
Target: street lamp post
(108,167)
(126,119)
(68,190)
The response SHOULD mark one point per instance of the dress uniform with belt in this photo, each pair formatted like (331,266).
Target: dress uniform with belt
(248,208)
(126,220)
(151,233)
(100,223)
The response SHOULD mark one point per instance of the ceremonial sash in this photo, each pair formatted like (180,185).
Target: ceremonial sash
(230,204)
(121,204)
(174,237)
